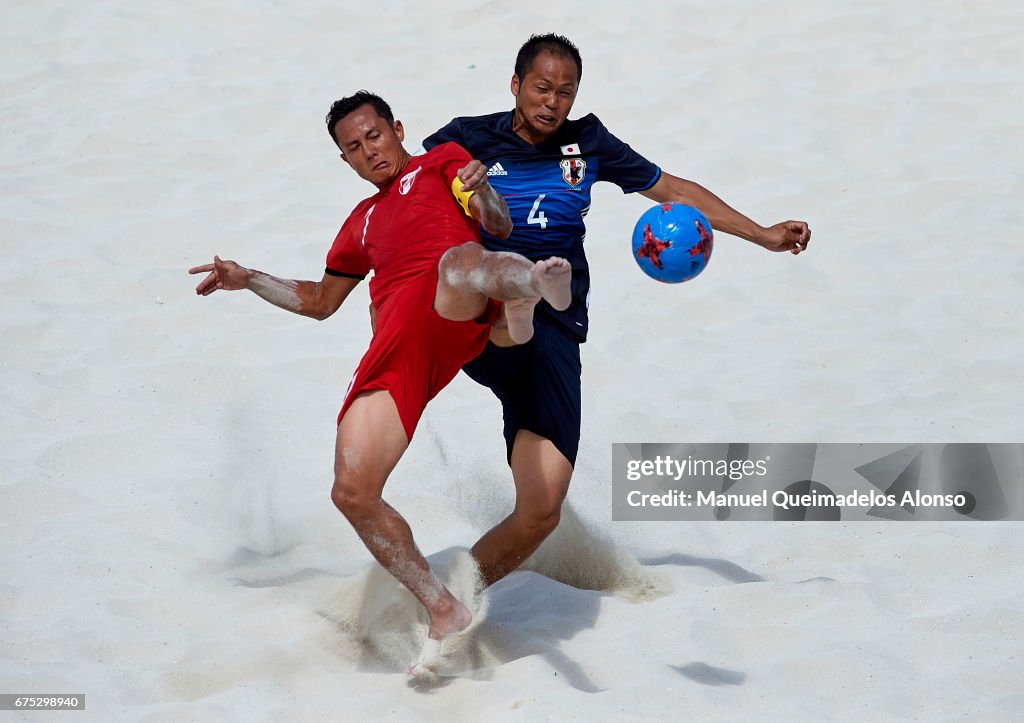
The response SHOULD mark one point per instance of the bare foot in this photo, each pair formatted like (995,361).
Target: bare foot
(519,317)
(553,278)
(427,661)
(449,617)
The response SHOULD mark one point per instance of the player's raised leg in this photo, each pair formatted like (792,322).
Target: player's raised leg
(552,278)
(468,274)
(370,441)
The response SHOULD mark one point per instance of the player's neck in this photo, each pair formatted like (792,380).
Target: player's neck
(402,165)
(523,130)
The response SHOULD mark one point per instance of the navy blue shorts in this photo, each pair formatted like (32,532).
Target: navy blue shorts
(538,384)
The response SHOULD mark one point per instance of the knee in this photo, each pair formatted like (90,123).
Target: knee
(351,499)
(548,524)
(460,259)
(542,520)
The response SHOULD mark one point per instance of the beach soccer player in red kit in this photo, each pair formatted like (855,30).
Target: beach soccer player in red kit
(436,292)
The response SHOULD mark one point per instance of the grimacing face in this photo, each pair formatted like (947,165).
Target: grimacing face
(544,96)
(371,146)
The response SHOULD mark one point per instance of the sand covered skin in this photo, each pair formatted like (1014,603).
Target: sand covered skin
(167,542)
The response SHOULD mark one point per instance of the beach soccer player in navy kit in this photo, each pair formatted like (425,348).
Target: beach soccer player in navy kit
(435,289)
(545,166)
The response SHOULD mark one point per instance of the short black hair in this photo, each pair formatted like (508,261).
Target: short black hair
(549,43)
(345,106)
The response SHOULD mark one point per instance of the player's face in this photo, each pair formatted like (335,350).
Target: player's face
(371,145)
(544,96)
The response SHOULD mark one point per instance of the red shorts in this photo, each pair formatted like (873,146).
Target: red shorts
(414,352)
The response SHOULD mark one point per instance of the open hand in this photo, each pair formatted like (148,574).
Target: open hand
(226,275)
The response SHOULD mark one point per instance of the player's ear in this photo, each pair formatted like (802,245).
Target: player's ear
(399,130)
(514,85)
(342,157)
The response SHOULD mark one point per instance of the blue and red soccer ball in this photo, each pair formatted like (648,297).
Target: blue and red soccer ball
(672,242)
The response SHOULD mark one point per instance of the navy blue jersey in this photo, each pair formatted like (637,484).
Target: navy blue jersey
(547,188)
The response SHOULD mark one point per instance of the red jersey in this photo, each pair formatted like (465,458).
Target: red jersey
(401,232)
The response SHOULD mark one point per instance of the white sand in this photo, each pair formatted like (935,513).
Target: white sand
(167,543)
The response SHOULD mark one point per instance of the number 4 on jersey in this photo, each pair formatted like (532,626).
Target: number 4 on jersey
(536,215)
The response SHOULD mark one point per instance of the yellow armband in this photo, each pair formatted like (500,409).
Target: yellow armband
(461,196)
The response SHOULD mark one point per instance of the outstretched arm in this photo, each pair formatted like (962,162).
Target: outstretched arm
(316,299)
(486,204)
(790,236)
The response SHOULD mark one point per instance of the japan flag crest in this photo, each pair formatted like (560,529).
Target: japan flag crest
(573,170)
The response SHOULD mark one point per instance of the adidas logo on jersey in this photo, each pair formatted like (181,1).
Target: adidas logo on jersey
(497,170)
